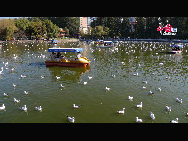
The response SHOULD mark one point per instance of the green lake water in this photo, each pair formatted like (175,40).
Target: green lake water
(110,67)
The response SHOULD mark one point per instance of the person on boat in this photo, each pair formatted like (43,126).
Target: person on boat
(53,55)
(79,55)
(58,55)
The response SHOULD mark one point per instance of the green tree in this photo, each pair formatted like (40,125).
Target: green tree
(7,29)
(38,28)
(51,29)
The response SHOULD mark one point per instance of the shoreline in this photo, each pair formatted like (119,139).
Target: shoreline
(59,40)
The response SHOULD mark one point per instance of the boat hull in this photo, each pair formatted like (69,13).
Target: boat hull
(175,52)
(66,64)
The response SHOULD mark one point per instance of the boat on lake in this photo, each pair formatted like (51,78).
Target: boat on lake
(105,44)
(57,59)
(54,41)
(176,48)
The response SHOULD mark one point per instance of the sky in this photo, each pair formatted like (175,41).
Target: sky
(8,17)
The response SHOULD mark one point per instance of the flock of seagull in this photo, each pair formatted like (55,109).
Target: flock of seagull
(72,119)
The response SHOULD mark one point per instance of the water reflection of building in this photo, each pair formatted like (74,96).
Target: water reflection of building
(84,24)
(132,22)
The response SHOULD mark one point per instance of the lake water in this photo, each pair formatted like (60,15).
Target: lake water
(116,68)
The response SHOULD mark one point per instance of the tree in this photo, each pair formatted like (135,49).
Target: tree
(51,29)
(7,29)
(38,28)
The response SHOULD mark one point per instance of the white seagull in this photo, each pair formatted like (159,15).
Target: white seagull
(139,105)
(143,87)
(179,100)
(85,83)
(38,109)
(71,119)
(150,92)
(24,108)
(1,72)
(159,89)
(23,76)
(168,108)
(5,95)
(152,116)
(13,85)
(138,120)
(174,121)
(107,88)
(90,77)
(16,100)
(130,98)
(58,77)
(76,106)
(61,85)
(2,107)
(26,92)
(121,111)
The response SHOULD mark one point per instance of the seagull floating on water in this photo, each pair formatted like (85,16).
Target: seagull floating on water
(23,76)
(2,107)
(90,77)
(61,85)
(168,108)
(150,92)
(58,77)
(174,121)
(138,120)
(144,87)
(26,92)
(5,94)
(16,100)
(139,105)
(130,98)
(13,85)
(108,89)
(179,100)
(42,77)
(144,82)
(121,111)
(71,119)
(152,116)
(38,109)
(24,108)
(85,83)
(159,89)
(76,106)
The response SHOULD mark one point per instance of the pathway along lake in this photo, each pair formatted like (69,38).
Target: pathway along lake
(122,69)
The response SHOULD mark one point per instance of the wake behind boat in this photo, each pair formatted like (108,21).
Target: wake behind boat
(102,44)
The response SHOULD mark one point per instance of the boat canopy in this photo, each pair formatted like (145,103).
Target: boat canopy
(108,42)
(177,45)
(65,50)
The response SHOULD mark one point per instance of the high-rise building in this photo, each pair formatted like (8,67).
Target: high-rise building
(84,24)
